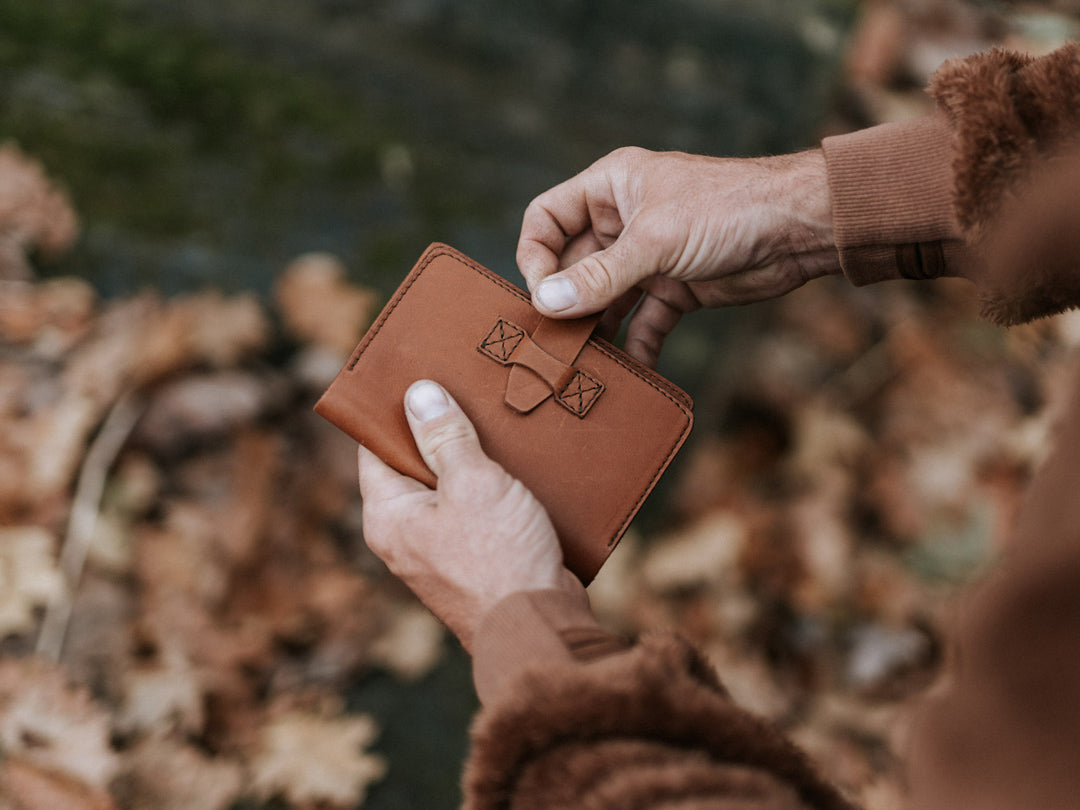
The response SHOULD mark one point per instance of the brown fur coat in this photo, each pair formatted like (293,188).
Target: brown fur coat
(649,728)
(1014,117)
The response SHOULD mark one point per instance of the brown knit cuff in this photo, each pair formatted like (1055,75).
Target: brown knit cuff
(891,188)
(536,628)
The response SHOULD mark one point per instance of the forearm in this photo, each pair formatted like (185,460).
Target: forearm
(802,206)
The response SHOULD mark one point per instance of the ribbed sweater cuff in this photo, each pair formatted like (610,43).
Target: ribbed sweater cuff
(892,199)
(535,628)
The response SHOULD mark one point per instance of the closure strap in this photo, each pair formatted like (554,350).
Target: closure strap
(538,371)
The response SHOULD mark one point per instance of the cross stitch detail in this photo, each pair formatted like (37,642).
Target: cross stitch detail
(502,340)
(581,393)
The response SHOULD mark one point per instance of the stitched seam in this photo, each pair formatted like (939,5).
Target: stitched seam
(580,393)
(667,459)
(642,372)
(502,357)
(390,307)
(489,276)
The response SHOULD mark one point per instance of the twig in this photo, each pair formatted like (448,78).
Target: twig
(82,521)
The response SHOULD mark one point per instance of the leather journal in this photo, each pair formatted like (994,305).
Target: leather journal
(588,429)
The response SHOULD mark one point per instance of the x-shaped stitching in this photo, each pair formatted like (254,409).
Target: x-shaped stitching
(578,396)
(584,389)
(497,344)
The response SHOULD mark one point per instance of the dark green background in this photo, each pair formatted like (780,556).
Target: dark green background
(208,142)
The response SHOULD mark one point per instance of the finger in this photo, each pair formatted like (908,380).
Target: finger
(597,280)
(754,284)
(649,326)
(613,316)
(444,436)
(579,247)
(381,482)
(679,295)
(550,220)
(571,584)
(662,307)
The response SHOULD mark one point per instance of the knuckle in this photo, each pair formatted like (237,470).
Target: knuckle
(630,155)
(536,208)
(483,481)
(378,531)
(447,438)
(596,276)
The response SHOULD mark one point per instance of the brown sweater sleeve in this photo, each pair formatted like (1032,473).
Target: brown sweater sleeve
(892,201)
(1005,731)
(535,627)
(646,727)
(920,199)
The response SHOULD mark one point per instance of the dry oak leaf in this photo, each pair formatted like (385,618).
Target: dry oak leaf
(53,725)
(161,773)
(29,577)
(703,553)
(51,316)
(220,330)
(318,305)
(311,759)
(60,434)
(412,645)
(34,213)
(23,786)
(162,697)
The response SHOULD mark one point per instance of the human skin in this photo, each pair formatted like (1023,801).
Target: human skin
(668,232)
(479,536)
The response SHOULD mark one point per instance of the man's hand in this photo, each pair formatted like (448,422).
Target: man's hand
(679,232)
(476,538)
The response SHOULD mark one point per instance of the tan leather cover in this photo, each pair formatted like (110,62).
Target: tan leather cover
(584,426)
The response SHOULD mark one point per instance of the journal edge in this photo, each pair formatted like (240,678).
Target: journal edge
(662,385)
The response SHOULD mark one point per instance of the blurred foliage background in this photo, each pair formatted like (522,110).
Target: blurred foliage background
(207,143)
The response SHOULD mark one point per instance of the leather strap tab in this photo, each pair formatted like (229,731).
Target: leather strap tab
(536,368)
(554,372)
(561,339)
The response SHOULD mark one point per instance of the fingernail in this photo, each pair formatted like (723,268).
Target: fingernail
(426,401)
(556,294)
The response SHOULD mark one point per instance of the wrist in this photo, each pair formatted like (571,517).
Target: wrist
(809,212)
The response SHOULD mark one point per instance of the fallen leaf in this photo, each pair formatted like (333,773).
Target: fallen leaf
(35,214)
(221,331)
(163,696)
(52,725)
(703,553)
(24,786)
(305,758)
(412,645)
(29,577)
(200,407)
(319,306)
(161,773)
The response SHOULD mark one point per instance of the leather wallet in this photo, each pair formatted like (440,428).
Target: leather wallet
(588,429)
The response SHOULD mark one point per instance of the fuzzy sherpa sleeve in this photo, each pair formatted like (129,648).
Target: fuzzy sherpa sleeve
(648,728)
(920,199)
(1014,118)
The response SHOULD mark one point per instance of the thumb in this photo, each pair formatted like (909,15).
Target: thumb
(596,281)
(444,435)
